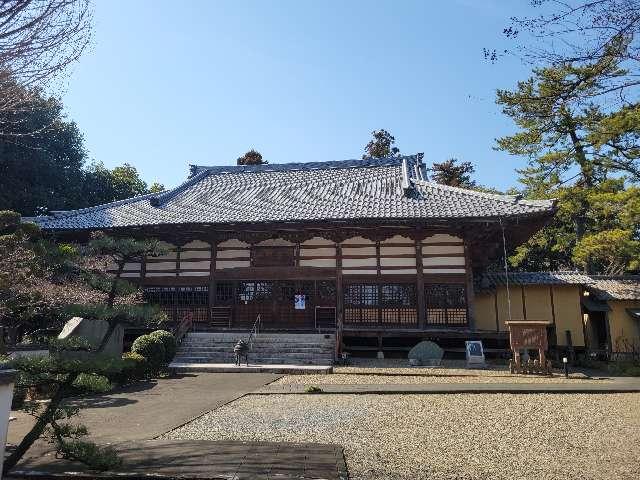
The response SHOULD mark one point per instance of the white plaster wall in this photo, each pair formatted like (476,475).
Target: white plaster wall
(191,265)
(442,238)
(397,250)
(233,253)
(318,252)
(359,262)
(444,270)
(397,262)
(357,241)
(221,264)
(317,241)
(318,262)
(275,242)
(233,242)
(161,266)
(360,272)
(400,271)
(359,251)
(6,395)
(194,254)
(433,261)
(442,249)
(397,239)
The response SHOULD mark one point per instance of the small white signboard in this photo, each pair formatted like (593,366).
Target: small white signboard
(300,302)
(475,353)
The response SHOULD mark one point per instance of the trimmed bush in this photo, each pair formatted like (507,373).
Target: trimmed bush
(88,383)
(169,342)
(152,349)
(135,368)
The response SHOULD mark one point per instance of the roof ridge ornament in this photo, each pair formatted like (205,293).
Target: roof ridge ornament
(407,187)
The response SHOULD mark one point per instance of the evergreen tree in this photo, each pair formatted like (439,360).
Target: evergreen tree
(252,157)
(381,146)
(453,173)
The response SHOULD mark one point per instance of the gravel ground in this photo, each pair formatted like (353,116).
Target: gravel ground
(497,436)
(403,379)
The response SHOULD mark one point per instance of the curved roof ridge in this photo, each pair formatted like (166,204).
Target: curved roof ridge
(69,213)
(294,166)
(492,196)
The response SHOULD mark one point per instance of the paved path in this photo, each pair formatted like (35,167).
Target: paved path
(618,385)
(199,459)
(148,409)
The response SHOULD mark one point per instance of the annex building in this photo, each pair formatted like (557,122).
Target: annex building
(368,249)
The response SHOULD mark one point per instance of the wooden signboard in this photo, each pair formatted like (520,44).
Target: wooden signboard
(529,335)
(273,257)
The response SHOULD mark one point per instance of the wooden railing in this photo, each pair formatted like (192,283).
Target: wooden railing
(183,327)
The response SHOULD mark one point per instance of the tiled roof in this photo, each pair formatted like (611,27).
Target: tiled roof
(391,188)
(615,288)
(601,287)
(490,280)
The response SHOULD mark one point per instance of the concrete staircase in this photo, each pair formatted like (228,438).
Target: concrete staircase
(267,348)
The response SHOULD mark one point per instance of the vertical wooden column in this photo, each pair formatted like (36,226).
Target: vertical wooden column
(422,308)
(212,278)
(339,300)
(471,298)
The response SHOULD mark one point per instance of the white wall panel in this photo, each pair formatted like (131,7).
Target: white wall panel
(433,261)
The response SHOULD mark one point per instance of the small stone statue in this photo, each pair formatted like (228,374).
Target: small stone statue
(241,349)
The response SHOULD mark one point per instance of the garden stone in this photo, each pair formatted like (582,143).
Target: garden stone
(426,354)
(92,330)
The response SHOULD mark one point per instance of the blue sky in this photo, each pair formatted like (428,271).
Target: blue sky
(167,83)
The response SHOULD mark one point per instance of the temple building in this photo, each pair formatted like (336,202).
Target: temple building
(368,249)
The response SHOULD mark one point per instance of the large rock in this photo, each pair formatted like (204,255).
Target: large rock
(426,353)
(93,331)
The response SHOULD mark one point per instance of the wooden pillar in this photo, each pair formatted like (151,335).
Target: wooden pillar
(422,308)
(212,278)
(471,298)
(495,307)
(339,301)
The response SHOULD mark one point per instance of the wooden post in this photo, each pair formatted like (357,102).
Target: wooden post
(212,279)
(471,305)
(339,301)
(570,351)
(422,308)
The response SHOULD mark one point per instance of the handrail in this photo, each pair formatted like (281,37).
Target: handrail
(255,330)
(183,328)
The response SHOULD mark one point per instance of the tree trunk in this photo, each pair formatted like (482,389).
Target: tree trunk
(38,429)
(586,171)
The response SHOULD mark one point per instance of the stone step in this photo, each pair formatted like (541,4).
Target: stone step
(264,361)
(258,344)
(257,348)
(251,356)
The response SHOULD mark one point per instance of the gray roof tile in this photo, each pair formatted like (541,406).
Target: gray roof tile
(349,189)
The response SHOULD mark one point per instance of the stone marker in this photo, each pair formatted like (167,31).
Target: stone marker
(426,353)
(93,330)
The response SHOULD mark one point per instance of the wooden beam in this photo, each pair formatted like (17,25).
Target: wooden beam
(339,301)
(422,307)
(471,298)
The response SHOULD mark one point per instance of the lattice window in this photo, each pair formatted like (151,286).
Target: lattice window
(224,293)
(360,295)
(193,300)
(398,295)
(446,304)
(326,289)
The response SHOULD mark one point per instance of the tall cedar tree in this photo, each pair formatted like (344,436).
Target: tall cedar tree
(453,173)
(381,146)
(252,157)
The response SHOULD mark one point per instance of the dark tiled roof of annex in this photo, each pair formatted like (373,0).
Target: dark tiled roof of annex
(389,188)
(623,287)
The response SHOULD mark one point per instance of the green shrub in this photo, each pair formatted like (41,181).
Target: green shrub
(135,368)
(169,342)
(313,389)
(92,455)
(87,382)
(152,349)
(625,368)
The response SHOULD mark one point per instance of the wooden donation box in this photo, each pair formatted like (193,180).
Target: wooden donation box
(529,335)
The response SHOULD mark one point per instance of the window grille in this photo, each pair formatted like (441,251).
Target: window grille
(446,304)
